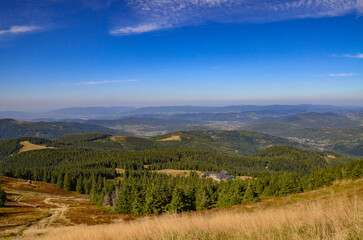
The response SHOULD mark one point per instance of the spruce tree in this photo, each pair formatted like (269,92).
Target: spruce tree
(249,195)
(80,187)
(2,196)
(67,182)
(60,180)
(177,200)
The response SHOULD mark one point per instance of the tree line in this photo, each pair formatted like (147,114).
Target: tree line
(144,192)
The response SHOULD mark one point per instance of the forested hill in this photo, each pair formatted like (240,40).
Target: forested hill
(289,159)
(316,120)
(242,143)
(10,128)
(130,182)
(229,142)
(343,140)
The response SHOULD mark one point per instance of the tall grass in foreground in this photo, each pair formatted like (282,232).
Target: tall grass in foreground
(335,216)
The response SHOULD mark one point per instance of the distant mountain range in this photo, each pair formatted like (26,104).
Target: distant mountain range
(10,128)
(326,128)
(170,111)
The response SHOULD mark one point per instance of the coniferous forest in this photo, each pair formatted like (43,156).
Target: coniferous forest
(128,183)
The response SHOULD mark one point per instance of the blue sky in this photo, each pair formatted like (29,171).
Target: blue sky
(63,53)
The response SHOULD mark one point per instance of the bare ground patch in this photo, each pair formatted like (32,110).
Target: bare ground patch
(172,138)
(27,146)
(175,172)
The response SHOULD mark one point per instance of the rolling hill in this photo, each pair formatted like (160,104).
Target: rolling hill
(316,120)
(10,128)
(342,140)
(239,143)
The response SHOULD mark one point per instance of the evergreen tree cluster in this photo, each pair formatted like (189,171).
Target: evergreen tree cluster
(156,159)
(144,192)
(278,171)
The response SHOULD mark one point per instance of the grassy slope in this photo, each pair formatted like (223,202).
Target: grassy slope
(330,213)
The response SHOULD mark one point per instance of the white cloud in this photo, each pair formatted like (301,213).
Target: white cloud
(19,29)
(152,15)
(359,55)
(97,82)
(341,74)
(137,29)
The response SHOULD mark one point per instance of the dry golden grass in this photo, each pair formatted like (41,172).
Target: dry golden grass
(175,172)
(172,138)
(331,213)
(118,139)
(27,146)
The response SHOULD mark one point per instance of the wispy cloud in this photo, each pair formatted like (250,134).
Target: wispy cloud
(137,29)
(97,82)
(359,55)
(341,74)
(152,15)
(19,29)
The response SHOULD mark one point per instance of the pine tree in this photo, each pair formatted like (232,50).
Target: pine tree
(60,180)
(123,204)
(202,198)
(177,200)
(80,187)
(137,203)
(2,197)
(67,182)
(249,195)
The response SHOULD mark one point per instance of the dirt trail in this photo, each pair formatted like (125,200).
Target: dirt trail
(56,210)
(57,215)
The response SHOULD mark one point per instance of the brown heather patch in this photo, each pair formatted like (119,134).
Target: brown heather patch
(22,185)
(33,208)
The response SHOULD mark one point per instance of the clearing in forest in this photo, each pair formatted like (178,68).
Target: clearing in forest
(172,138)
(175,172)
(118,139)
(28,146)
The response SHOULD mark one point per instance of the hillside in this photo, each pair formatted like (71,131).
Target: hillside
(241,143)
(131,182)
(229,142)
(9,147)
(10,128)
(317,120)
(325,213)
(342,140)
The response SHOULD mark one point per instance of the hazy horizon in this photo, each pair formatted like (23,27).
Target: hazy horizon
(193,104)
